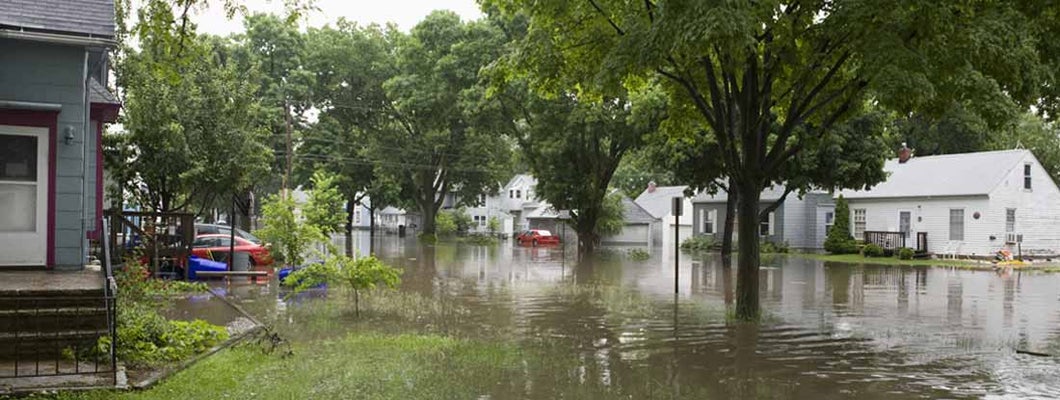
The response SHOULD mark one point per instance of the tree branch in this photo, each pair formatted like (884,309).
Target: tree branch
(607,17)
(773,206)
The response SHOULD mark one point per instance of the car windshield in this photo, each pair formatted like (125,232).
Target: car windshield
(246,235)
(544,233)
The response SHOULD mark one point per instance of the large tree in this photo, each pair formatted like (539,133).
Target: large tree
(574,147)
(771,80)
(433,146)
(191,134)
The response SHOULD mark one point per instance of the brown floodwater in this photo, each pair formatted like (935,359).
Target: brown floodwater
(830,330)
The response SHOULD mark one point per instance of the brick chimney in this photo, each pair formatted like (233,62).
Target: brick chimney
(904,154)
(651,187)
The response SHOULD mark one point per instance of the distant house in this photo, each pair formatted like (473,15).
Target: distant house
(638,228)
(658,201)
(801,223)
(963,204)
(53,107)
(521,200)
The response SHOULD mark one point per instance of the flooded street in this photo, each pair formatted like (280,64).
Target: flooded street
(830,330)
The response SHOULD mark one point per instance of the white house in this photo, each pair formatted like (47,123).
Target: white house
(800,222)
(521,201)
(964,204)
(491,207)
(658,201)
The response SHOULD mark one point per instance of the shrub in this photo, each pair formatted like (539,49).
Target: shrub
(701,243)
(144,335)
(839,240)
(770,247)
(364,273)
(289,236)
(445,224)
(493,225)
(638,254)
(873,250)
(905,253)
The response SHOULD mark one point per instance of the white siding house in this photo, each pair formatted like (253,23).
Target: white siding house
(658,201)
(970,204)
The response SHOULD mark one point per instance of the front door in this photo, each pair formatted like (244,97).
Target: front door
(23,195)
(905,220)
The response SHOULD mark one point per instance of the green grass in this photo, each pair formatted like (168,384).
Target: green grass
(859,259)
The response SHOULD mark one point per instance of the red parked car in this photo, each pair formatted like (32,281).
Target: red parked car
(205,245)
(536,237)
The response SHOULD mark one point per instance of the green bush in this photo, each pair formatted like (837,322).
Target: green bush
(773,248)
(839,240)
(638,254)
(905,253)
(701,243)
(873,250)
(445,224)
(480,239)
(146,337)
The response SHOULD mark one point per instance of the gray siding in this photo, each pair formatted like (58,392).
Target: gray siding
(43,73)
(719,208)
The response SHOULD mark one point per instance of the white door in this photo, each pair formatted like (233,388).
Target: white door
(905,223)
(23,195)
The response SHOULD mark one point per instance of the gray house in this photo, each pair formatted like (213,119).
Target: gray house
(53,105)
(802,223)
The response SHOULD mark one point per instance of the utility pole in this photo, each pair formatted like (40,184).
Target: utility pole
(287,153)
(678,203)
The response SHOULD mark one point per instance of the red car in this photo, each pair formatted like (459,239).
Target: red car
(536,237)
(205,245)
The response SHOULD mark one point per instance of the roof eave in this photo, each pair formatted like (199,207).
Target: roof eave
(57,38)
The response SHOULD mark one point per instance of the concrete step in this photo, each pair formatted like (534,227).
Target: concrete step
(52,301)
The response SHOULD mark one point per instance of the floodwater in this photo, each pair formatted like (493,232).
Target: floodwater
(831,330)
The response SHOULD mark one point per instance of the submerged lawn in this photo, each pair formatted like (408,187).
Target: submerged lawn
(859,259)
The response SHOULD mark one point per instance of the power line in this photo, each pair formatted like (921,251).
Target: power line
(373,163)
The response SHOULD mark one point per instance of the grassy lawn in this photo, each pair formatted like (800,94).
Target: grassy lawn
(358,366)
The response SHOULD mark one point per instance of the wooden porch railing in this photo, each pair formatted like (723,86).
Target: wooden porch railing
(896,240)
(162,239)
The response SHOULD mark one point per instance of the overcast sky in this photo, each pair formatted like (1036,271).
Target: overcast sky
(405,13)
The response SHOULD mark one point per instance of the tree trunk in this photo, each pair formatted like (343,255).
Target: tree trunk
(429,212)
(349,227)
(747,307)
(730,219)
(585,227)
(371,231)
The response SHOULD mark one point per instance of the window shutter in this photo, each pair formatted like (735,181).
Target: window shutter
(771,220)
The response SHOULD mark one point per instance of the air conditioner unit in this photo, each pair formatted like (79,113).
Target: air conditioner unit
(1013,238)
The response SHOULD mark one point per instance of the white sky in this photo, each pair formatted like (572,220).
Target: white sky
(405,13)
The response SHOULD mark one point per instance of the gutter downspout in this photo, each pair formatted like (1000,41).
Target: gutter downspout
(86,129)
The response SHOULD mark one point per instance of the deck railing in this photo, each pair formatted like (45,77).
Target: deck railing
(896,240)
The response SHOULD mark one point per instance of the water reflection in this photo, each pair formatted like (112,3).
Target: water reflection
(832,330)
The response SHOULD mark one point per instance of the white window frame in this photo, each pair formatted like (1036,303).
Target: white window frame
(858,225)
(956,235)
(769,222)
(1027,181)
(1010,223)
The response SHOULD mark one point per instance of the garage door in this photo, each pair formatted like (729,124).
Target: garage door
(631,234)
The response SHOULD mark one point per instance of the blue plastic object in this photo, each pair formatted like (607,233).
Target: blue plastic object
(197,264)
(284,272)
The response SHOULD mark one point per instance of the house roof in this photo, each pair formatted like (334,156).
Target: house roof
(547,212)
(657,203)
(392,210)
(520,177)
(80,17)
(635,214)
(771,193)
(97,94)
(968,174)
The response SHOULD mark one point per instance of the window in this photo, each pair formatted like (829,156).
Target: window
(829,220)
(482,221)
(518,194)
(706,220)
(1010,220)
(1027,176)
(481,200)
(956,224)
(765,228)
(511,194)
(18,183)
(859,223)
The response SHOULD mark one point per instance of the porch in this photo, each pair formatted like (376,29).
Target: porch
(88,281)
(892,241)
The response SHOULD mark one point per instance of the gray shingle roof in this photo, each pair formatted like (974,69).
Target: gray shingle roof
(968,174)
(771,193)
(657,203)
(97,94)
(79,17)
(635,214)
